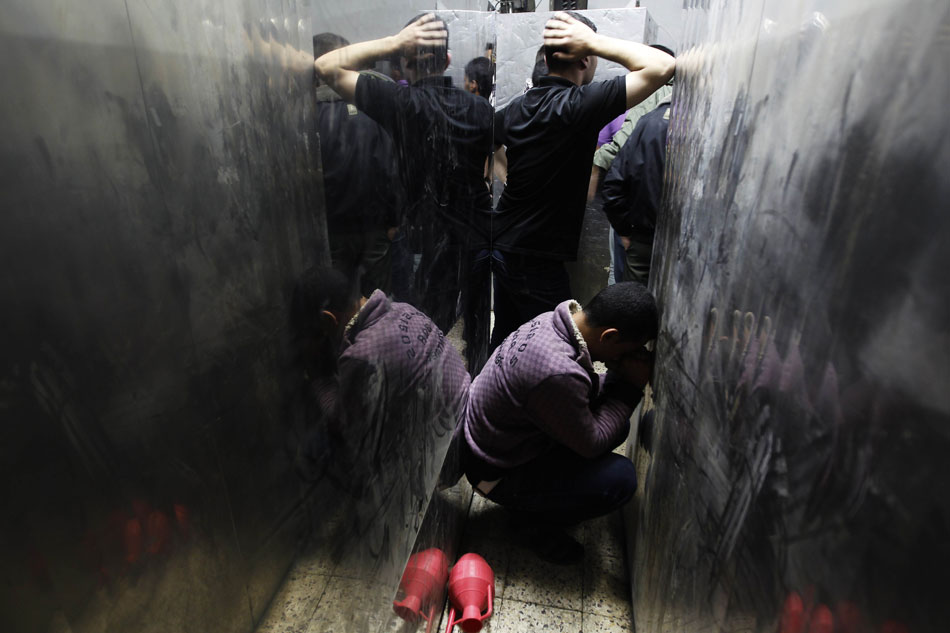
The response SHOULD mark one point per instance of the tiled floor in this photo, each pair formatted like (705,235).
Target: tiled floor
(590,597)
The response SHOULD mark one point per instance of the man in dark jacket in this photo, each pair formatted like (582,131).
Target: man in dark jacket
(540,424)
(633,190)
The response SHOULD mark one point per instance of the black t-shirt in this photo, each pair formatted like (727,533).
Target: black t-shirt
(359,173)
(551,134)
(442,137)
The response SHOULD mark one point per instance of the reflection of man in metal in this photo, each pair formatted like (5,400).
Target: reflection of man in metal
(389,391)
(540,424)
(443,138)
(633,189)
(551,133)
(382,374)
(479,77)
(359,178)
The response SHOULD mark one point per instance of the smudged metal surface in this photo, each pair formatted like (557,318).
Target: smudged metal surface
(159,197)
(803,409)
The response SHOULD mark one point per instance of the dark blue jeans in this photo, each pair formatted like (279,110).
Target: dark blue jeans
(563,488)
(619,257)
(525,286)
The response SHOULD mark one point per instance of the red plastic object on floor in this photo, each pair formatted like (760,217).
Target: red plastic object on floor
(849,619)
(472,591)
(422,583)
(793,614)
(821,620)
(892,626)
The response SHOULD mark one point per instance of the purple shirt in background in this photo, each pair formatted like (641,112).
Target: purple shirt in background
(610,129)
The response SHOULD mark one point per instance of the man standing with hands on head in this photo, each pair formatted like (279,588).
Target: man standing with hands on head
(551,133)
(442,137)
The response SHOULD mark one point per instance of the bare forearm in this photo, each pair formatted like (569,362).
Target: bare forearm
(634,57)
(339,68)
(649,68)
(500,165)
(354,57)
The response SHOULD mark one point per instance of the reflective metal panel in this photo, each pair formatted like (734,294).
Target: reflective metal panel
(159,198)
(797,474)
(407,214)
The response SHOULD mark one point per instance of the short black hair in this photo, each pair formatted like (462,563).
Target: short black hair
(540,70)
(540,66)
(627,306)
(319,288)
(323,43)
(440,54)
(556,64)
(479,70)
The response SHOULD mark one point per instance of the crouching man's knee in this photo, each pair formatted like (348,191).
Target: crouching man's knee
(620,480)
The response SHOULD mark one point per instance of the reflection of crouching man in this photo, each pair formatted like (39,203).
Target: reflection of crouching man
(540,424)
(389,385)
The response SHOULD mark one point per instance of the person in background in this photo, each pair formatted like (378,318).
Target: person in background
(479,77)
(540,69)
(607,133)
(607,151)
(540,424)
(633,190)
(550,134)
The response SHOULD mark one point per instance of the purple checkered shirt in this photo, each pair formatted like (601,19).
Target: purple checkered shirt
(539,389)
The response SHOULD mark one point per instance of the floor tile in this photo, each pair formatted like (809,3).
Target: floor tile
(343,608)
(294,604)
(606,588)
(604,535)
(532,580)
(601,624)
(513,616)
(316,563)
